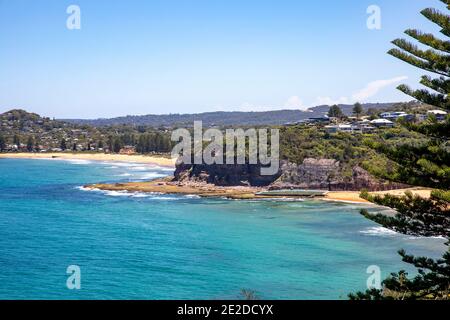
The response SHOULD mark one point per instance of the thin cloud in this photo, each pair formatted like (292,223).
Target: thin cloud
(374,87)
(330,101)
(295,102)
(370,90)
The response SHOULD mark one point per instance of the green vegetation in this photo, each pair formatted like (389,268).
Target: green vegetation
(358,109)
(63,145)
(336,112)
(423,163)
(156,142)
(2,142)
(300,142)
(28,132)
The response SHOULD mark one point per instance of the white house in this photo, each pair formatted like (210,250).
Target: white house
(382,123)
(339,128)
(439,114)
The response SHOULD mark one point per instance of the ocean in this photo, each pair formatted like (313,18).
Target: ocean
(154,246)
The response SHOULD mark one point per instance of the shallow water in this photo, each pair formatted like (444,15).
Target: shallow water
(153,246)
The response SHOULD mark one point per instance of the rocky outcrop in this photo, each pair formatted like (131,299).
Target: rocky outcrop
(311,174)
(223,174)
(328,174)
(323,174)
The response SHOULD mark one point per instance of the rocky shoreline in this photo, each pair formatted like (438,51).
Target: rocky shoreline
(168,186)
(205,190)
(245,181)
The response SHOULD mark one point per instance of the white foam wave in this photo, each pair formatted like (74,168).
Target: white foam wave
(121,164)
(379,231)
(161,168)
(192,196)
(72,161)
(78,161)
(114,193)
(81,188)
(139,168)
(149,176)
(432,237)
(124,175)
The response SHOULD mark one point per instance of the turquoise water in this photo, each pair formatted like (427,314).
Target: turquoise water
(137,246)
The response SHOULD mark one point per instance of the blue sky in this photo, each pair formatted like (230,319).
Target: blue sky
(185,56)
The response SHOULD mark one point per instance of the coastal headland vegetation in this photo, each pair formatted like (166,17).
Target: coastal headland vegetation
(423,163)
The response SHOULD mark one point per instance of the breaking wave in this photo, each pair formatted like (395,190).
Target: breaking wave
(379,231)
(149,195)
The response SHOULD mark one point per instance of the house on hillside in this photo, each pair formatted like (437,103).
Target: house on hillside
(350,128)
(339,128)
(438,114)
(395,115)
(317,120)
(382,123)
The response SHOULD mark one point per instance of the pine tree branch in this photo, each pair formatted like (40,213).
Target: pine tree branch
(438,18)
(447,3)
(415,215)
(429,40)
(419,63)
(437,100)
(434,129)
(441,84)
(434,59)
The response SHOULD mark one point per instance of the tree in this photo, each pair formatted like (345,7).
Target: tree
(421,164)
(37,146)
(117,145)
(63,144)
(335,112)
(358,109)
(110,143)
(16,140)
(30,144)
(2,143)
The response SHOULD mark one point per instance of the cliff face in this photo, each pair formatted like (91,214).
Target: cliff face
(325,174)
(223,174)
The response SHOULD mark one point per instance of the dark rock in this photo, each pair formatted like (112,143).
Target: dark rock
(321,174)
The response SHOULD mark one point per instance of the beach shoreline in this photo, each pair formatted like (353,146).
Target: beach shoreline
(168,186)
(144,159)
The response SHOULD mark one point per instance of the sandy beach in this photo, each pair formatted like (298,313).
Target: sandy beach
(157,160)
(353,196)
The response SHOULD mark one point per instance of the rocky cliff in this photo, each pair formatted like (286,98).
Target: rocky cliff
(223,174)
(325,174)
(328,174)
